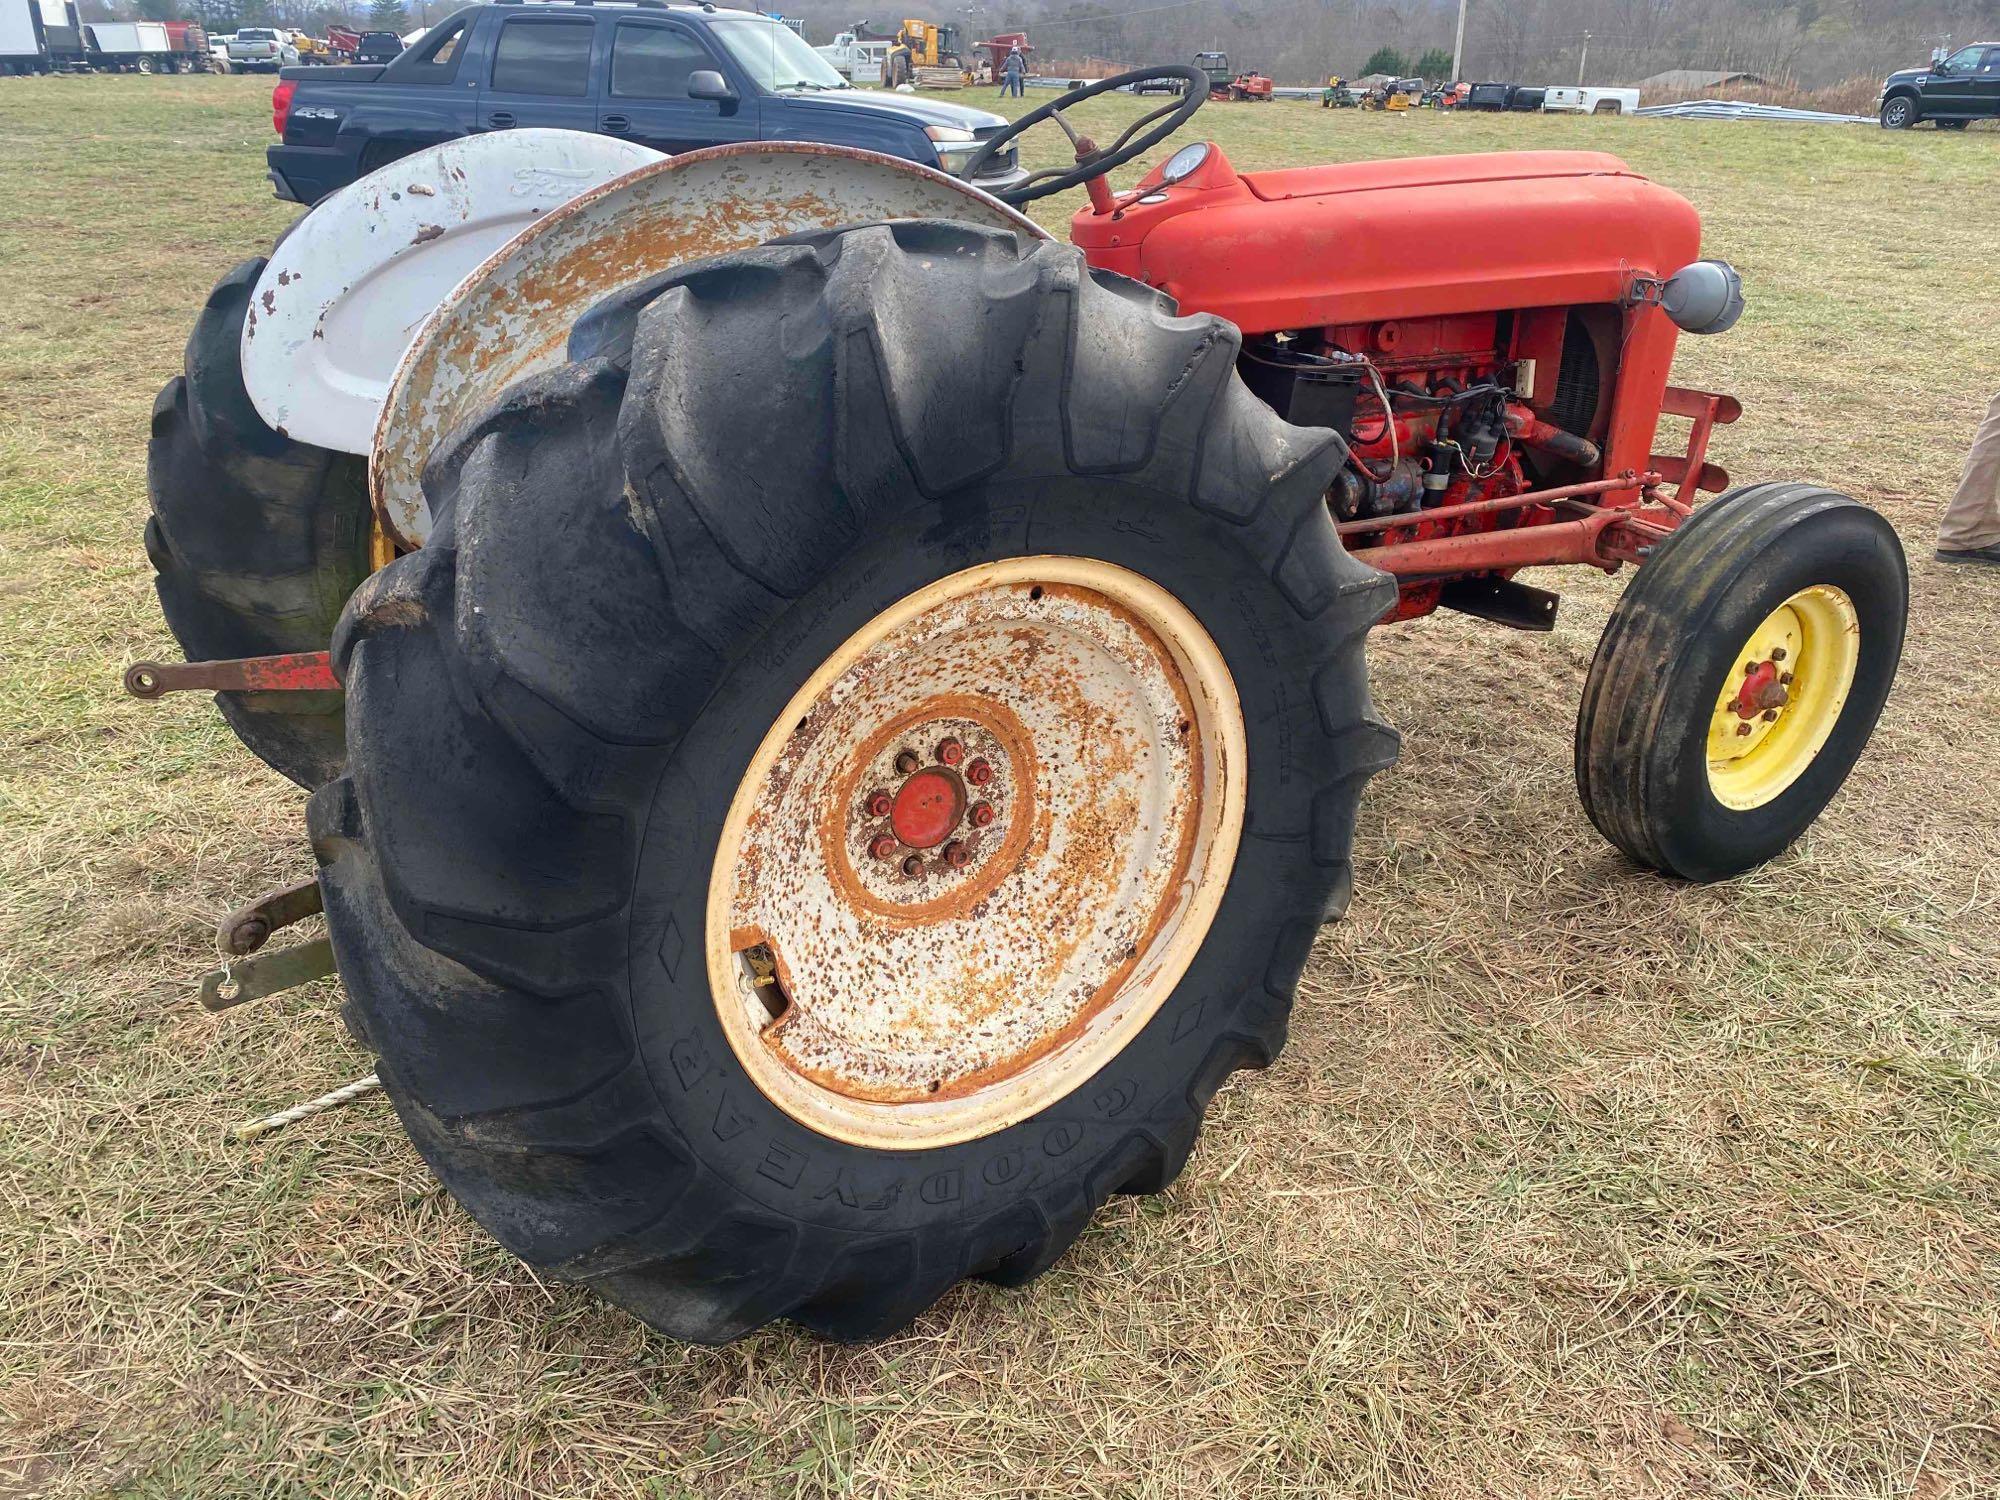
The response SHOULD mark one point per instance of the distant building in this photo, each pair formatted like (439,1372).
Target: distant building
(1696,78)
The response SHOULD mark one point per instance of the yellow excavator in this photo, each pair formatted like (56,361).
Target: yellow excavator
(926,55)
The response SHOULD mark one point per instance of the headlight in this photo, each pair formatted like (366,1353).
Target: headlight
(1705,297)
(955,159)
(954,146)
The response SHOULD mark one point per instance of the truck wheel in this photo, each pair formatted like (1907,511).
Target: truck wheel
(256,540)
(1739,678)
(789,860)
(1899,113)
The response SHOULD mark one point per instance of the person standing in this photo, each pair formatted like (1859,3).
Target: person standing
(1013,73)
(1970,529)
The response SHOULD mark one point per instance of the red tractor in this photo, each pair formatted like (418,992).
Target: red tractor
(1251,87)
(827,791)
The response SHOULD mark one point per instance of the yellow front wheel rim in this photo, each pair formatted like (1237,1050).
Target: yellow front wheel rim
(1782,697)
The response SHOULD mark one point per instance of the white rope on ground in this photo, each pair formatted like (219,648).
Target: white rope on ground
(347,1093)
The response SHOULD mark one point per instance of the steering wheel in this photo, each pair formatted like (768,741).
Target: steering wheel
(1091,160)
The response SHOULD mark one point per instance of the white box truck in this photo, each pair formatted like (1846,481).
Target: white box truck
(39,36)
(128,47)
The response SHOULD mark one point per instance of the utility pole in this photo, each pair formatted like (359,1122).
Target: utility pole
(1458,47)
(1582,59)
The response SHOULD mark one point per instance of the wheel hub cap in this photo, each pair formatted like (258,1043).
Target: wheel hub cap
(976,852)
(930,805)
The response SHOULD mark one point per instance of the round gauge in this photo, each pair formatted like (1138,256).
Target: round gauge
(1184,163)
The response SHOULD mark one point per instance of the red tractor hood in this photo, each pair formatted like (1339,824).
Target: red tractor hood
(1307,247)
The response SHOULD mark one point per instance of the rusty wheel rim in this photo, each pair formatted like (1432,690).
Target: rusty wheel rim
(976,852)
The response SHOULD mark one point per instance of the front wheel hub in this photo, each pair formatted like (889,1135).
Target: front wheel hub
(1782,697)
(976,852)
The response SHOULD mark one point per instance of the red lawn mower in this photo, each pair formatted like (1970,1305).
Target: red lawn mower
(834,719)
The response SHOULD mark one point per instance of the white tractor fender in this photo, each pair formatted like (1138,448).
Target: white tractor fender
(346,290)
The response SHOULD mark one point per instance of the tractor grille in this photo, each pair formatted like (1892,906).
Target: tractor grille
(1579,381)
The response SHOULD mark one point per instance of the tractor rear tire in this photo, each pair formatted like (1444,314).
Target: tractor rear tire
(1659,764)
(256,540)
(643,565)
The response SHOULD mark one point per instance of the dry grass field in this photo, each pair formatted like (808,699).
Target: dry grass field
(1572,1181)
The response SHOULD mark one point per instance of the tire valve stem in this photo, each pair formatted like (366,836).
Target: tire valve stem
(764,978)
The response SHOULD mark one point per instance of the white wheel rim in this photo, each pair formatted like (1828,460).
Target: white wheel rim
(912,945)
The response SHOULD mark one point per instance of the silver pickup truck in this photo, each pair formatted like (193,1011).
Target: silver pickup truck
(262,47)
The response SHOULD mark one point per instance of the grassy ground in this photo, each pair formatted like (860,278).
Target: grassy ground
(1571,1182)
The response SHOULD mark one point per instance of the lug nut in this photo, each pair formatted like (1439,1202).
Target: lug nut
(979,773)
(914,865)
(907,761)
(1784,679)
(883,845)
(957,855)
(1742,729)
(1770,716)
(950,752)
(1777,653)
(879,804)
(982,815)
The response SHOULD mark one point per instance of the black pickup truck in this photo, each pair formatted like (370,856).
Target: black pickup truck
(1953,91)
(672,77)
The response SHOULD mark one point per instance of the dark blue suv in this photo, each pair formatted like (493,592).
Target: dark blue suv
(673,77)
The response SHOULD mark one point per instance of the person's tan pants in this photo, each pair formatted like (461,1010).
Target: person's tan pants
(1973,518)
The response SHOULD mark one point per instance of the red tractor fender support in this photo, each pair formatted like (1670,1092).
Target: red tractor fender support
(296,672)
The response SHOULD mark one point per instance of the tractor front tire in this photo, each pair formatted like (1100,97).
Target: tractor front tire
(1739,678)
(256,540)
(657,738)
